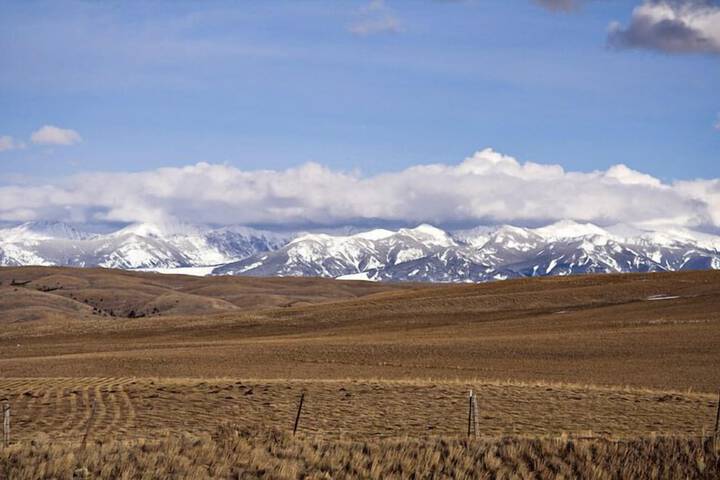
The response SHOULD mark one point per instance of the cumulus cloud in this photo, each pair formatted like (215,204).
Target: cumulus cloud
(559,5)
(671,26)
(705,191)
(375,18)
(9,143)
(487,187)
(51,135)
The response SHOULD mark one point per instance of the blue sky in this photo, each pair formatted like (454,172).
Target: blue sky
(277,84)
(362,86)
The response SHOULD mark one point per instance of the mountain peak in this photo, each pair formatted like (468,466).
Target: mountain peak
(312,237)
(569,229)
(377,234)
(429,234)
(156,230)
(512,230)
(47,229)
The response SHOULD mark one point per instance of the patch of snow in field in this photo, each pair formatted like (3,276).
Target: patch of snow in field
(662,297)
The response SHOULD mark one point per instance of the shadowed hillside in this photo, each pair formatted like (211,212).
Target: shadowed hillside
(35,293)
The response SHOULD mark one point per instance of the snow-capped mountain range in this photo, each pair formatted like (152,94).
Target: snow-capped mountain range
(423,253)
(139,246)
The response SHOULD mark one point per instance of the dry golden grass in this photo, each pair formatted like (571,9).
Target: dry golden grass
(94,292)
(232,452)
(386,370)
(137,408)
(589,330)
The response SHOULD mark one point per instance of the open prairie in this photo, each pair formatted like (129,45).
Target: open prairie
(655,331)
(619,357)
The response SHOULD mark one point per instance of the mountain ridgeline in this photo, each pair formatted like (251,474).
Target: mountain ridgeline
(424,253)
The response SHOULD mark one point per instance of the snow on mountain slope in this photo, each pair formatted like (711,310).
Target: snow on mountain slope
(475,237)
(424,253)
(428,235)
(569,229)
(36,231)
(377,234)
(336,256)
(135,246)
(512,238)
(427,253)
(192,271)
(13,255)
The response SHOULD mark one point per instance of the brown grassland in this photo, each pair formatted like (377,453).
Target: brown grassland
(610,376)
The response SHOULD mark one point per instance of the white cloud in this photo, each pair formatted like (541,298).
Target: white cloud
(629,176)
(51,135)
(375,18)
(717,123)
(705,191)
(487,187)
(671,26)
(9,143)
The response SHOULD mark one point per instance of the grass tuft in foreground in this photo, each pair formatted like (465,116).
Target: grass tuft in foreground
(235,453)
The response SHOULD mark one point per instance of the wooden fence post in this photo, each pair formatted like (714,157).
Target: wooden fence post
(716,433)
(6,424)
(297,417)
(472,428)
(90,423)
(475,414)
(470,412)
(717,417)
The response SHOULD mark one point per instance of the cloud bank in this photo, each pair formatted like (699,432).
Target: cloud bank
(671,26)
(487,187)
(51,135)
